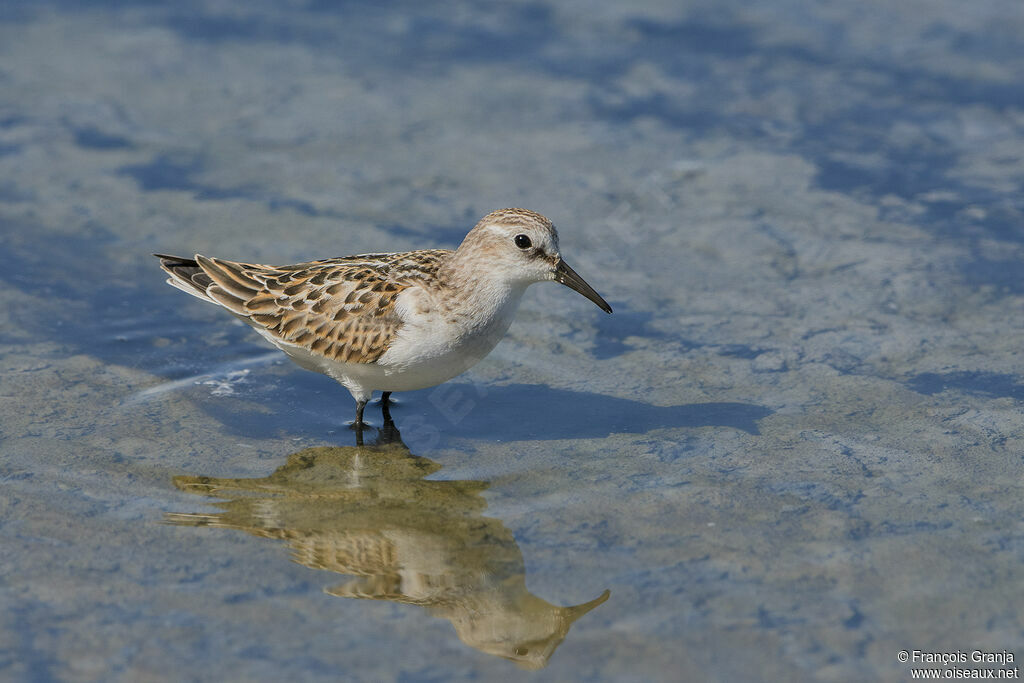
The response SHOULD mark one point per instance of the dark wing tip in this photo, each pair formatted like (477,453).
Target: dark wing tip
(171,261)
(187,271)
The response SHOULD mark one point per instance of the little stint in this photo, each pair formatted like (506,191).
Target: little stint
(390,322)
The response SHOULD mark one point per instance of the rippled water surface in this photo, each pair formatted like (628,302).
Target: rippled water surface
(794,450)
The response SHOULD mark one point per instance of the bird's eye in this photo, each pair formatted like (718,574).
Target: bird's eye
(523,242)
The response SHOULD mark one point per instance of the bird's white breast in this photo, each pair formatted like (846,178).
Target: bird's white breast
(437,343)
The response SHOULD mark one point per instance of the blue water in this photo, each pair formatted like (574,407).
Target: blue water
(791,452)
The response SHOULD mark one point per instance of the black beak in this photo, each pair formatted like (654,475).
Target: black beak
(568,277)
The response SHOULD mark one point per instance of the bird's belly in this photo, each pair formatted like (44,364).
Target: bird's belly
(416,362)
(424,356)
(423,375)
(372,376)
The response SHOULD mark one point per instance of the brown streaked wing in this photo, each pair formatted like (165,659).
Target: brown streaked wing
(342,309)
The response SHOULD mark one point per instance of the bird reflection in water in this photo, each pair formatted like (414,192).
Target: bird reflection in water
(369,512)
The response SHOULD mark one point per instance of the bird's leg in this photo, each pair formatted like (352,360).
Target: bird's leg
(385,405)
(358,424)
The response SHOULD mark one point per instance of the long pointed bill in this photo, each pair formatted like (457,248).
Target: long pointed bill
(578,611)
(568,277)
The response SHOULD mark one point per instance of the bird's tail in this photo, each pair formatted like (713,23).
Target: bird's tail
(186,275)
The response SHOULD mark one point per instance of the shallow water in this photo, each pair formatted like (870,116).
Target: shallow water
(794,450)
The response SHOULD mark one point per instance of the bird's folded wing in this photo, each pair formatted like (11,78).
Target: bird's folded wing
(342,309)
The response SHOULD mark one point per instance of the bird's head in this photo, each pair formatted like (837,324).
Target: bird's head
(522,246)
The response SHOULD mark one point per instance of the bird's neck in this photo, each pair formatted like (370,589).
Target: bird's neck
(476,289)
